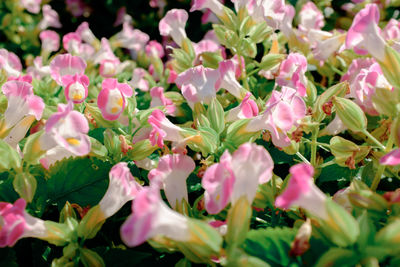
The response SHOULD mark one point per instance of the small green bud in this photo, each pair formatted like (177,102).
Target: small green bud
(350,113)
(25,185)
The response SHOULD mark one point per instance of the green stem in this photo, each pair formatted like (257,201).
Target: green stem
(243,70)
(314,144)
(381,168)
(253,71)
(302,158)
(373,139)
(326,164)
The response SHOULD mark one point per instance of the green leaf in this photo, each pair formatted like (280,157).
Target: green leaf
(215,114)
(335,172)
(78,180)
(271,245)
(7,192)
(9,157)
(338,257)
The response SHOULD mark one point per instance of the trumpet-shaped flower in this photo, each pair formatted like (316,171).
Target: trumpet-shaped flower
(72,42)
(50,41)
(171,173)
(121,189)
(76,89)
(227,79)
(105,52)
(138,80)
(158,99)
(364,34)
(22,109)
(392,158)
(86,34)
(246,109)
(32,6)
(111,99)
(163,129)
(236,176)
(65,135)
(173,24)
(38,71)
(16,223)
(292,73)
(154,49)
(10,63)
(130,38)
(310,17)
(284,110)
(214,5)
(66,64)
(198,84)
(50,18)
(301,191)
(151,217)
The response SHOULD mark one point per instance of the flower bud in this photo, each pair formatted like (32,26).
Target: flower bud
(346,151)
(350,113)
(25,185)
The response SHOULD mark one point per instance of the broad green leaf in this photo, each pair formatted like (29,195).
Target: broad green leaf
(271,245)
(81,180)
(338,257)
(9,157)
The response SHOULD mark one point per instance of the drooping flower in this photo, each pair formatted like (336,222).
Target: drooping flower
(65,135)
(284,110)
(171,174)
(301,191)
(292,73)
(236,176)
(111,100)
(22,109)
(86,34)
(50,18)
(364,34)
(50,41)
(121,189)
(76,89)
(10,63)
(158,99)
(198,84)
(173,24)
(32,6)
(246,109)
(151,217)
(66,64)
(16,223)
(163,129)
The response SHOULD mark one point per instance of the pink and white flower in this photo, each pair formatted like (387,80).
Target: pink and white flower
(236,176)
(65,135)
(66,64)
(50,18)
(111,100)
(271,11)
(292,73)
(158,99)
(198,84)
(16,223)
(121,189)
(32,6)
(392,158)
(10,63)
(86,34)
(151,217)
(173,24)
(138,80)
(246,109)
(50,41)
(364,34)
(130,38)
(214,5)
(171,174)
(154,49)
(227,79)
(38,71)
(76,89)
(301,191)
(364,75)
(163,129)
(72,42)
(105,52)
(284,111)
(310,17)
(22,110)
